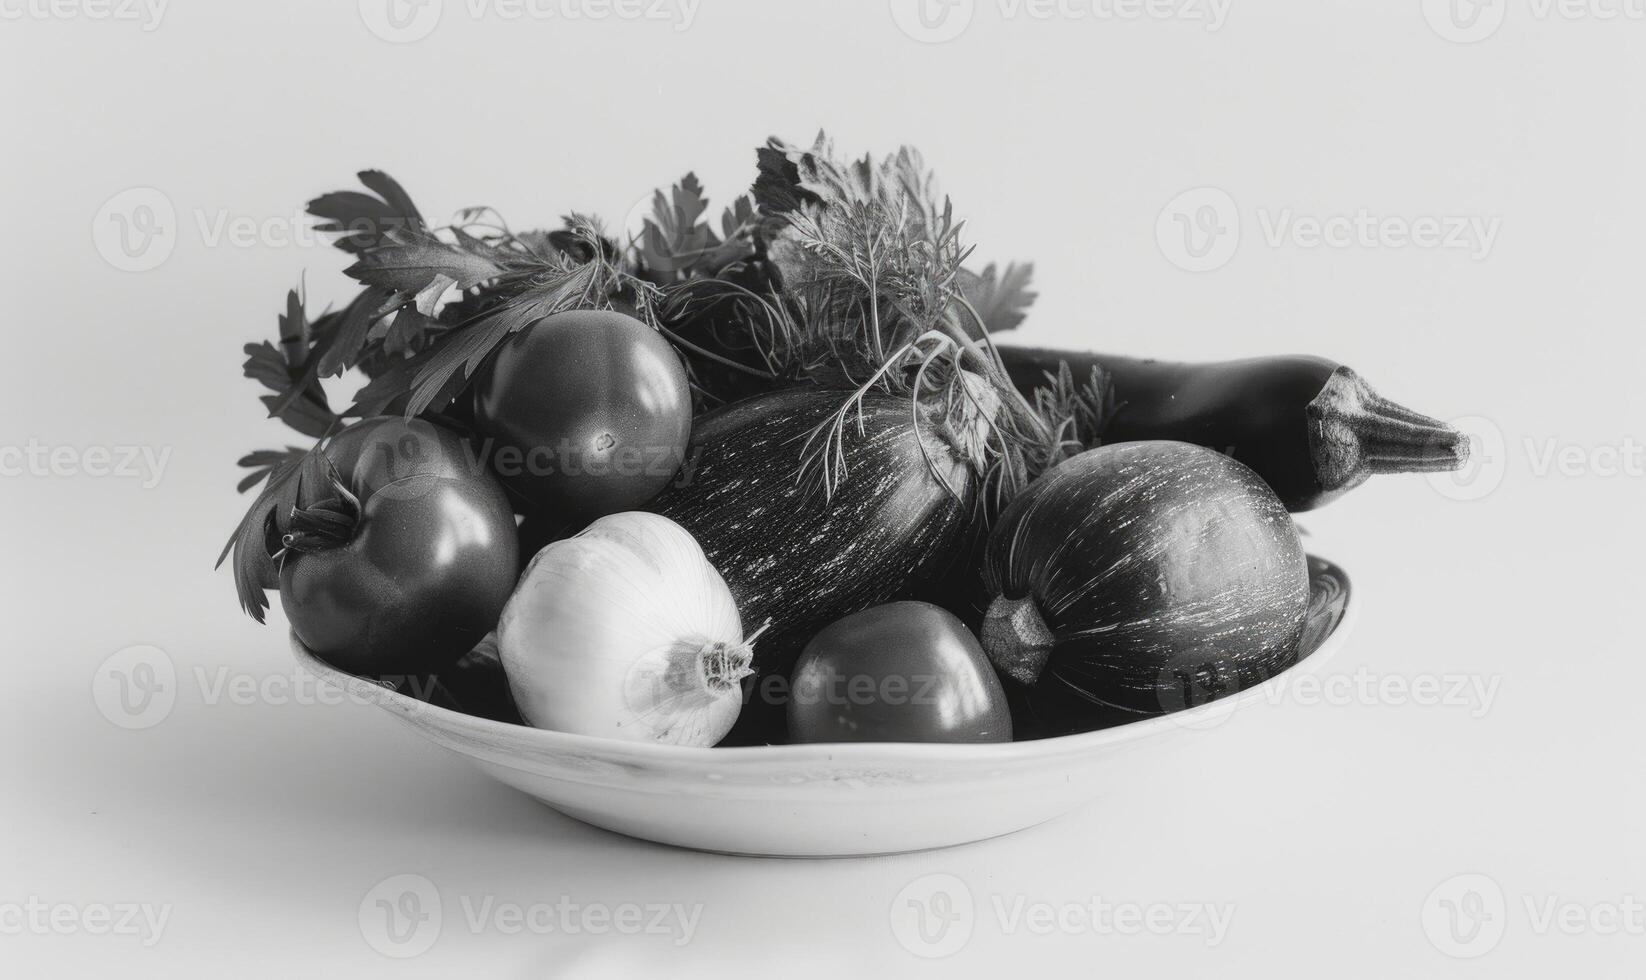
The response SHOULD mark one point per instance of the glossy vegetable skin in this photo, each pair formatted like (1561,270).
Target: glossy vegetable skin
(584,413)
(1144,577)
(1311,428)
(797,559)
(424,571)
(901,672)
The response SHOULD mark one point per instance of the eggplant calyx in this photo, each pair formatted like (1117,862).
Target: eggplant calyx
(1354,432)
(1017,639)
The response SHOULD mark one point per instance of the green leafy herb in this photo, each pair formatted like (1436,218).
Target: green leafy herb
(677,239)
(281,370)
(251,541)
(1078,413)
(363,221)
(1001,299)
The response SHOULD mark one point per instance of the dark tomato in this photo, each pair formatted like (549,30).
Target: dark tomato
(586,413)
(902,672)
(429,565)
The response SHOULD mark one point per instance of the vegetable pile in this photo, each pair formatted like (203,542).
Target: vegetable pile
(770,477)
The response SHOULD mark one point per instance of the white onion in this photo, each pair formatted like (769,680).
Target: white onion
(626,631)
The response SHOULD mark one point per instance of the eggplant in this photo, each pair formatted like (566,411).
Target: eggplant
(799,559)
(1310,427)
(1143,577)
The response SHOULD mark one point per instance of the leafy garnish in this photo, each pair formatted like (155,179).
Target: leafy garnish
(281,370)
(847,274)
(1001,299)
(872,259)
(678,240)
(363,221)
(250,543)
(1078,413)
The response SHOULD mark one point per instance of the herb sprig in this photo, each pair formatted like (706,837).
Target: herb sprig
(846,274)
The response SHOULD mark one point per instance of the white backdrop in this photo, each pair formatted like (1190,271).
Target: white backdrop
(1445,195)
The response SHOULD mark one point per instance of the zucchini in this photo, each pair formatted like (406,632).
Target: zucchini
(800,558)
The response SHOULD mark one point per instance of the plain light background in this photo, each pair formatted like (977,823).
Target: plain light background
(1335,827)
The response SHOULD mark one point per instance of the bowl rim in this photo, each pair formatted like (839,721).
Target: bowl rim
(835,754)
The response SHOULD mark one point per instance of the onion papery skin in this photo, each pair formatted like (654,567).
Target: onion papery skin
(798,560)
(625,631)
(1141,578)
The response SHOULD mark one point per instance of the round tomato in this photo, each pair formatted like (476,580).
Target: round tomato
(585,413)
(902,672)
(427,565)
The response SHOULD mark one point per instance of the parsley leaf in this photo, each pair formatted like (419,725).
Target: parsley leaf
(1001,298)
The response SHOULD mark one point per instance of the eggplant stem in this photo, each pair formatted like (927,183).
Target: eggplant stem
(1354,432)
(1017,639)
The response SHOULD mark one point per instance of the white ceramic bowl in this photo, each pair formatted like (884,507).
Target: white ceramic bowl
(833,800)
